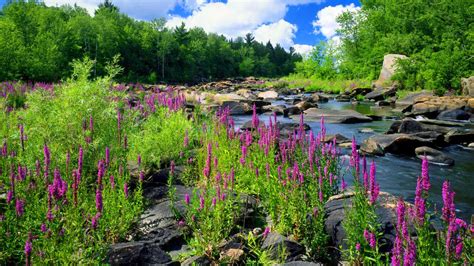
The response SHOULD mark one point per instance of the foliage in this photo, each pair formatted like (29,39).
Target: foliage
(38,42)
(436,36)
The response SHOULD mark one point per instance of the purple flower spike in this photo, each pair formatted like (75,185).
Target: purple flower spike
(125,190)
(19,207)
(98,200)
(187,199)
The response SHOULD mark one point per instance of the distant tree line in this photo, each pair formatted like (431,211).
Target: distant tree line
(39,42)
(437,36)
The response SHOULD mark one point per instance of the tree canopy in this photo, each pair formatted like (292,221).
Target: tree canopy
(39,42)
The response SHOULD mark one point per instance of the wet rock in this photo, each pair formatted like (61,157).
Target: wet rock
(454,115)
(291,110)
(138,253)
(394,143)
(433,156)
(335,116)
(340,139)
(268,95)
(304,105)
(343,98)
(316,97)
(458,136)
(359,91)
(409,126)
(382,103)
(274,242)
(381,93)
(385,209)
(277,109)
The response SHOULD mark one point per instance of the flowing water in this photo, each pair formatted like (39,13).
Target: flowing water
(398,174)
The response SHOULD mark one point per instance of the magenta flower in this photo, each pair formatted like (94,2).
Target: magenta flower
(79,161)
(201,202)
(9,196)
(47,160)
(255,120)
(28,249)
(187,199)
(214,202)
(266,232)
(357,246)
(112,181)
(410,254)
(98,200)
(142,176)
(448,211)
(424,174)
(95,220)
(374,187)
(19,207)
(125,190)
(44,229)
(420,204)
(107,156)
(139,160)
(370,237)
(343,184)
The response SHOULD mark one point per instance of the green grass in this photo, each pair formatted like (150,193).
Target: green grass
(318,85)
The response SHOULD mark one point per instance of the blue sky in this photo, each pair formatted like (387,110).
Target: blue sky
(297,23)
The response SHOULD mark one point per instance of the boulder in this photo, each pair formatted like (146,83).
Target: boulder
(304,105)
(385,208)
(237,108)
(340,139)
(411,98)
(381,93)
(138,253)
(433,156)
(454,115)
(343,98)
(274,243)
(232,97)
(335,116)
(458,136)
(196,260)
(410,126)
(389,67)
(316,97)
(470,104)
(268,95)
(431,106)
(277,109)
(467,85)
(291,110)
(398,143)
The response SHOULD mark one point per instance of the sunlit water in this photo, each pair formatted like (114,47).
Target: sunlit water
(398,174)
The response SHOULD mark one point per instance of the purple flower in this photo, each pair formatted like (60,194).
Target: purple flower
(28,249)
(424,174)
(142,176)
(172,168)
(79,160)
(9,196)
(98,200)
(255,120)
(139,160)
(410,254)
(357,246)
(112,181)
(95,220)
(107,156)
(44,229)
(343,184)
(201,202)
(420,205)
(448,211)
(19,207)
(266,232)
(374,187)
(370,237)
(214,202)
(125,190)
(187,199)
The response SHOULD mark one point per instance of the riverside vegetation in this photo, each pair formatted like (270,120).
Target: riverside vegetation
(67,175)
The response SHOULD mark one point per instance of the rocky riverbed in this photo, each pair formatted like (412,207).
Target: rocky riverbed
(395,133)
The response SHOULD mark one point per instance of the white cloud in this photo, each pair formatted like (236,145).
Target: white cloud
(326,23)
(281,32)
(303,49)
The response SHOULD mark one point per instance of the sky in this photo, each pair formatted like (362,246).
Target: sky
(291,23)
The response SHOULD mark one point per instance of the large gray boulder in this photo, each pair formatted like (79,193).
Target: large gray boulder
(433,156)
(389,67)
(335,116)
(274,243)
(381,93)
(398,143)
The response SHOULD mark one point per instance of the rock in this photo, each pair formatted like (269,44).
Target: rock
(258,103)
(411,97)
(389,67)
(291,110)
(343,98)
(335,116)
(385,209)
(268,95)
(340,139)
(245,93)
(431,106)
(458,136)
(286,129)
(196,260)
(316,97)
(277,109)
(433,156)
(409,126)
(382,103)
(381,93)
(228,97)
(471,145)
(248,125)
(304,105)
(237,108)
(138,253)
(394,143)
(359,91)
(441,123)
(470,104)
(274,242)
(454,115)
(467,85)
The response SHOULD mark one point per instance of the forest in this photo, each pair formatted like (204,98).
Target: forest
(38,43)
